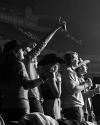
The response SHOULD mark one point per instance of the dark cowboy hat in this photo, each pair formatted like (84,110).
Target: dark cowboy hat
(50,59)
(11,45)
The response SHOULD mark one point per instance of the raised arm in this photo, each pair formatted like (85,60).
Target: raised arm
(43,43)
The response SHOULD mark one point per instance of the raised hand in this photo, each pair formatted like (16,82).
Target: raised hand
(97,89)
(62,24)
(89,82)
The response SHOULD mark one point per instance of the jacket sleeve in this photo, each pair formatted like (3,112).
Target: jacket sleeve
(43,43)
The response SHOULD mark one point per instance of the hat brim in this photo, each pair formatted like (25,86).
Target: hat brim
(51,61)
(84,62)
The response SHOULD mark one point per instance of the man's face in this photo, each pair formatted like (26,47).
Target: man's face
(75,60)
(83,69)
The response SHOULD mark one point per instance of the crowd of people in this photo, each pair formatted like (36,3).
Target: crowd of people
(53,86)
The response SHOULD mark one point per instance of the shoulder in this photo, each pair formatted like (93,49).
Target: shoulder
(66,69)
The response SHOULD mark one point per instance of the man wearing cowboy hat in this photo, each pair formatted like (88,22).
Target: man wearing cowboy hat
(87,93)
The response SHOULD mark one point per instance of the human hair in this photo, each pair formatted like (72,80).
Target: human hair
(68,57)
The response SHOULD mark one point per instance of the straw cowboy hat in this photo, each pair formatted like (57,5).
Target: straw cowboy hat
(83,62)
(50,59)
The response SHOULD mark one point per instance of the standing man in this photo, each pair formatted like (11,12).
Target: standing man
(88,93)
(71,97)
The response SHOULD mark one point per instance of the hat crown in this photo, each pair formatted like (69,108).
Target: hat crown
(11,45)
(50,59)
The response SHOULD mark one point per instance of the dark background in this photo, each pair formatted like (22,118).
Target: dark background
(83,21)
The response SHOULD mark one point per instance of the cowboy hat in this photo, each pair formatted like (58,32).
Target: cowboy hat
(83,62)
(11,45)
(50,59)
